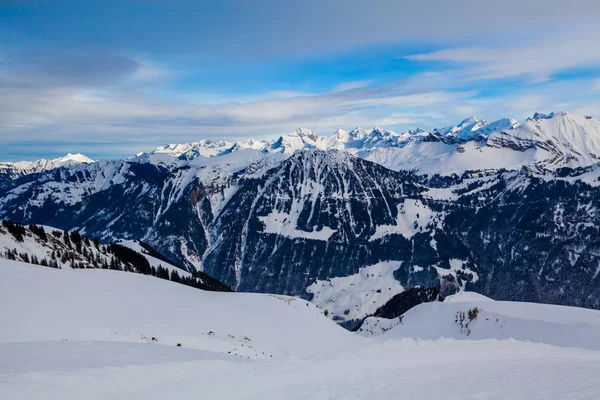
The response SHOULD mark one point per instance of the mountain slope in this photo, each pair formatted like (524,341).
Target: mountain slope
(319,214)
(548,141)
(13,170)
(51,247)
(283,223)
(104,334)
(561,140)
(276,222)
(475,317)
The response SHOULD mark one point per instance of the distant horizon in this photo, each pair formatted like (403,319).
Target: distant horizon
(57,155)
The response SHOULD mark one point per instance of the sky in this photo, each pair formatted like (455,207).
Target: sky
(113,78)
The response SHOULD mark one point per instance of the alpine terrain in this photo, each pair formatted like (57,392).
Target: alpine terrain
(350,220)
(97,334)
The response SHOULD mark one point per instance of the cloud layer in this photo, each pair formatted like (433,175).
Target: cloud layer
(128,76)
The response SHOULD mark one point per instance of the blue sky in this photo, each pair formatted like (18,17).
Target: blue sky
(113,78)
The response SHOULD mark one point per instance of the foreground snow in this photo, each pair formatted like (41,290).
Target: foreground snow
(70,334)
(104,305)
(540,323)
(402,369)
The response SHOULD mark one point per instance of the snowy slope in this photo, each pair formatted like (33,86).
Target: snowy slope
(118,306)
(72,334)
(32,245)
(52,250)
(540,323)
(155,262)
(561,139)
(356,296)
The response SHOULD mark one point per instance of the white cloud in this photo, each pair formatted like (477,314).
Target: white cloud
(413,100)
(148,70)
(101,117)
(539,60)
(95,120)
(396,119)
(275,28)
(351,85)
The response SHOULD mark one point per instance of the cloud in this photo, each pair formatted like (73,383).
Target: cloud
(99,79)
(96,113)
(539,61)
(47,67)
(397,119)
(351,85)
(272,28)
(111,117)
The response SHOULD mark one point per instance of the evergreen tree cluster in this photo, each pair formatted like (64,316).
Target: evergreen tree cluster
(24,257)
(132,261)
(77,251)
(38,231)
(17,230)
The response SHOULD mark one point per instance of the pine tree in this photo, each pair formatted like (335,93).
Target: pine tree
(175,276)
(66,238)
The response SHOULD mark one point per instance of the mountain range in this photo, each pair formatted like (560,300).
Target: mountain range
(505,209)
(547,141)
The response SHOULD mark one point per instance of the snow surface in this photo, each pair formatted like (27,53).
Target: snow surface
(65,336)
(153,261)
(540,323)
(117,306)
(286,225)
(356,296)
(413,215)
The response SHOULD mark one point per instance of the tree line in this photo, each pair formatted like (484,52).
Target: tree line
(78,251)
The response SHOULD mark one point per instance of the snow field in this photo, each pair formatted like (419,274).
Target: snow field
(73,334)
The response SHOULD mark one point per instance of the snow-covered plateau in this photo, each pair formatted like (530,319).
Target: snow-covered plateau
(99,334)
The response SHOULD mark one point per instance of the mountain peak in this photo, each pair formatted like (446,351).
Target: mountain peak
(76,158)
(467,128)
(306,133)
(341,135)
(468,122)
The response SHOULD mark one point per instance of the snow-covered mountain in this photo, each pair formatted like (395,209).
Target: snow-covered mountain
(520,226)
(207,148)
(283,223)
(100,334)
(548,141)
(20,168)
(559,140)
